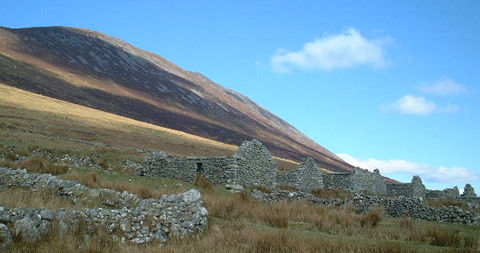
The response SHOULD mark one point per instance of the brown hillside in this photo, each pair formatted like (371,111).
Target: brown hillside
(102,72)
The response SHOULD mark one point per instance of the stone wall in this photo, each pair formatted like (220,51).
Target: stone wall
(358,181)
(251,165)
(306,177)
(448,193)
(393,206)
(124,215)
(219,170)
(256,165)
(415,189)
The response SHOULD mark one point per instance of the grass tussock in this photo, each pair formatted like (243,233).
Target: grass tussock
(203,183)
(281,214)
(331,193)
(36,165)
(13,197)
(91,179)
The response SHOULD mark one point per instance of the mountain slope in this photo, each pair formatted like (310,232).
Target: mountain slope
(102,72)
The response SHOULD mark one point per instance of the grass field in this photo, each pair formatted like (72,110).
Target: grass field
(237,223)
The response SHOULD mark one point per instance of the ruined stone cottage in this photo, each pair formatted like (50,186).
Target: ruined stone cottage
(251,165)
(357,181)
(415,189)
(306,177)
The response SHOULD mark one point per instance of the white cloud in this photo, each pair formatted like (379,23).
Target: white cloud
(417,105)
(343,50)
(428,172)
(445,86)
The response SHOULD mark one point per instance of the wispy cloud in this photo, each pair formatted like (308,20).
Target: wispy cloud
(428,172)
(417,105)
(342,50)
(444,86)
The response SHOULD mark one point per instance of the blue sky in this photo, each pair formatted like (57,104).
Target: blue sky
(387,84)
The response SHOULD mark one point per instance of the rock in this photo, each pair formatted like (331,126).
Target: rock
(25,229)
(190,196)
(5,237)
(235,188)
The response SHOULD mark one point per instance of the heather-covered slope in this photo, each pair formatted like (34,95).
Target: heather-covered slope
(102,72)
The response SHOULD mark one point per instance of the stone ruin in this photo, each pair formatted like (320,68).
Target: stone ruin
(415,189)
(123,215)
(306,177)
(469,192)
(357,181)
(251,165)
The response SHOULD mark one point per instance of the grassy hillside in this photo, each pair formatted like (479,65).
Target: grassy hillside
(31,120)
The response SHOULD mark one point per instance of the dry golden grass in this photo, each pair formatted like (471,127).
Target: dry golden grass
(13,197)
(91,179)
(36,165)
(203,183)
(18,98)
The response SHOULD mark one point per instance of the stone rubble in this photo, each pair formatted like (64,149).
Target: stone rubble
(129,218)
(394,206)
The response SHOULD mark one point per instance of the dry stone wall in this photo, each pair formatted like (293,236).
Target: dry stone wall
(125,218)
(306,177)
(415,189)
(219,170)
(251,165)
(358,181)
(393,206)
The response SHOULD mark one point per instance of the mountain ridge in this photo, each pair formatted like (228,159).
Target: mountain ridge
(115,76)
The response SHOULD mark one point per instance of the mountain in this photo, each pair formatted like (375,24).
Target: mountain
(102,72)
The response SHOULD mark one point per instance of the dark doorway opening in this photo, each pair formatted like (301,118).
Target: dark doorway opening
(199,168)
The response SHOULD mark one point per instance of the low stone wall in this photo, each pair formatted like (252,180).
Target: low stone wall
(358,181)
(415,189)
(393,206)
(172,215)
(306,177)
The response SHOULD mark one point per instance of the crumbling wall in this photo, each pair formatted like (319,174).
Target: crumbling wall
(415,189)
(125,216)
(341,181)
(255,165)
(448,193)
(358,181)
(306,177)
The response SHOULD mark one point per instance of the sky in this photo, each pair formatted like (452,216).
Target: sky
(392,85)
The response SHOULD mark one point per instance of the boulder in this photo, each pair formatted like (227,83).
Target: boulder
(5,237)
